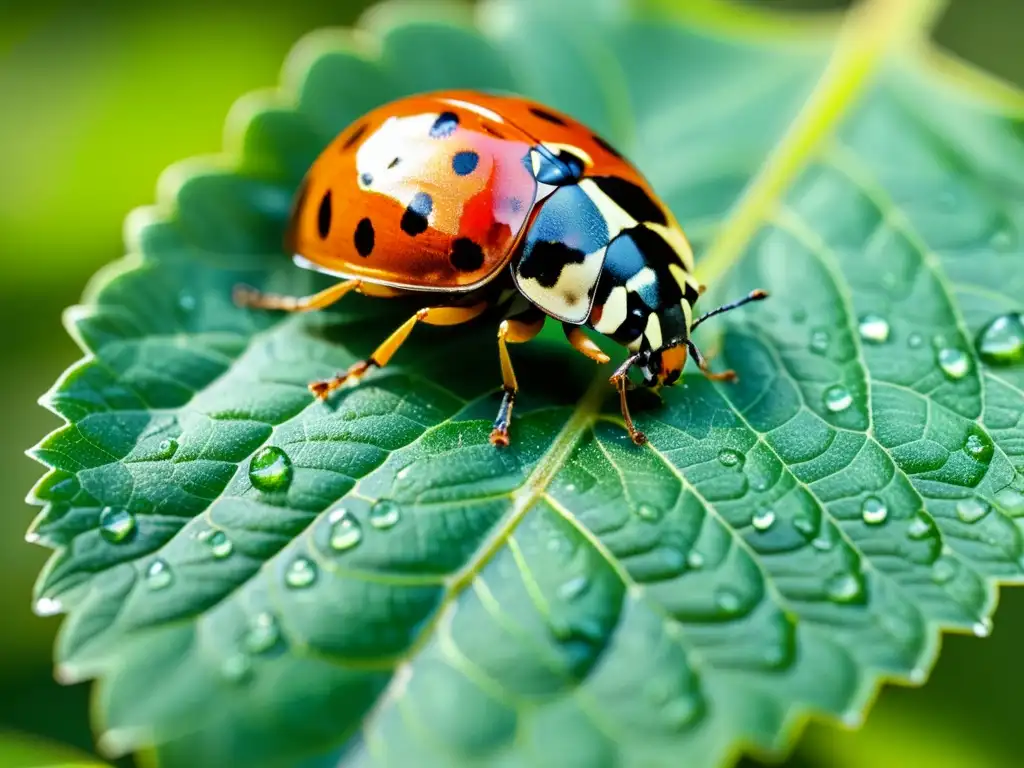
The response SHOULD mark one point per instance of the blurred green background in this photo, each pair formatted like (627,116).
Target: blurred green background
(94,103)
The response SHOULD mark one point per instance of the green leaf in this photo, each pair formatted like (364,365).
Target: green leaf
(256,578)
(21,751)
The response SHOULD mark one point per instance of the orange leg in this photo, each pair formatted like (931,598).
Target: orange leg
(620,380)
(698,358)
(249,297)
(511,331)
(583,343)
(382,354)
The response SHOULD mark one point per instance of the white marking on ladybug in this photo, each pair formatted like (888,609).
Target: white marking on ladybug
(677,240)
(653,331)
(641,280)
(613,314)
(616,218)
(475,108)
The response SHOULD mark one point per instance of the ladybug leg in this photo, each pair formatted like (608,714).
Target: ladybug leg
(382,354)
(698,358)
(584,344)
(245,296)
(514,331)
(620,380)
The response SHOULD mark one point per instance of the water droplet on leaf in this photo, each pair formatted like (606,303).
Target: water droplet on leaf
(874,511)
(271,470)
(695,561)
(263,633)
(384,514)
(62,487)
(971,510)
(763,520)
(730,458)
(955,364)
(1001,342)
(649,512)
(236,668)
(845,588)
(301,573)
(573,588)
(921,527)
(680,711)
(47,606)
(838,398)
(219,543)
(1011,500)
(727,600)
(874,329)
(982,628)
(159,575)
(167,448)
(346,532)
(944,570)
(915,340)
(979,446)
(186,301)
(117,525)
(819,341)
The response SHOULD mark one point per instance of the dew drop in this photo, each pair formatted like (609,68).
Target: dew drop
(1001,342)
(730,458)
(979,446)
(385,514)
(159,575)
(167,448)
(219,543)
(346,532)
(763,520)
(117,525)
(806,526)
(982,628)
(271,470)
(695,561)
(680,711)
(727,600)
(186,301)
(301,573)
(1011,500)
(844,588)
(838,398)
(263,633)
(47,606)
(826,540)
(236,668)
(63,487)
(874,511)
(819,341)
(649,512)
(874,329)
(955,364)
(971,510)
(917,675)
(573,588)
(944,570)
(915,340)
(921,527)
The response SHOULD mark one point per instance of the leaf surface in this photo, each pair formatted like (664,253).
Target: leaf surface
(256,578)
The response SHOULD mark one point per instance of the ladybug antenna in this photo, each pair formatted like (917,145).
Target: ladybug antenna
(757,295)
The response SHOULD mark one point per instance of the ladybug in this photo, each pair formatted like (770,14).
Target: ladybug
(475,201)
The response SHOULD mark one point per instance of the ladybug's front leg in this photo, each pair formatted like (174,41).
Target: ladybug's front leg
(620,380)
(515,331)
(382,354)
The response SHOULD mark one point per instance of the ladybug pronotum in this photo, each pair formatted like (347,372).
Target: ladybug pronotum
(474,200)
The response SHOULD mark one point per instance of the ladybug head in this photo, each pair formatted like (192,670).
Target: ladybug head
(662,367)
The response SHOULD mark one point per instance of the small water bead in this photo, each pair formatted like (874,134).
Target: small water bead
(1011,501)
(263,633)
(979,446)
(874,329)
(982,628)
(955,364)
(220,545)
(47,606)
(573,588)
(944,570)
(62,487)
(236,668)
(806,526)
(346,532)
(159,575)
(301,573)
(727,600)
(819,340)
(271,470)
(971,510)
(681,711)
(915,340)
(117,525)
(844,588)
(838,398)
(921,527)
(1001,342)
(695,561)
(649,512)
(385,514)
(730,458)
(763,520)
(167,448)
(187,301)
(874,511)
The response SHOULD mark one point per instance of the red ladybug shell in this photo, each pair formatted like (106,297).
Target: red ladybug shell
(434,192)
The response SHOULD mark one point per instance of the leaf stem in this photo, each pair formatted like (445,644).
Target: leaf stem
(871,32)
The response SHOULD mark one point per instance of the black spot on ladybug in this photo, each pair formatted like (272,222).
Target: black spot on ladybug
(544,261)
(631,198)
(488,128)
(635,321)
(606,146)
(355,136)
(364,238)
(464,163)
(323,215)
(467,255)
(543,114)
(367,179)
(414,220)
(444,126)
(394,162)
